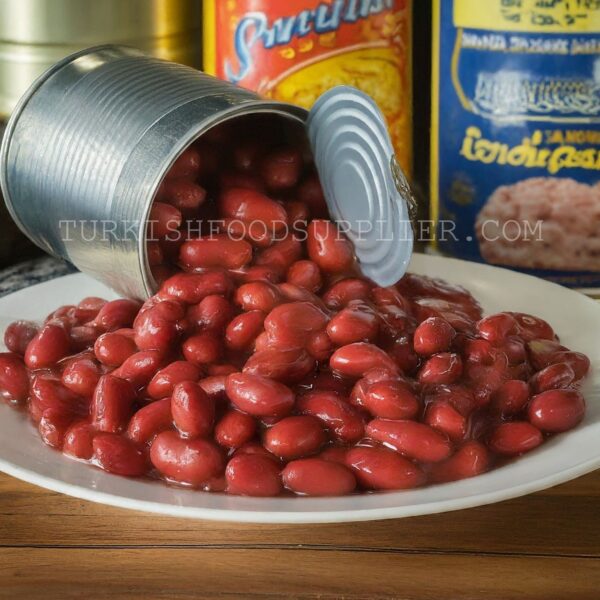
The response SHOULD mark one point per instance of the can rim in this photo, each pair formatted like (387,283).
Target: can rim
(20,106)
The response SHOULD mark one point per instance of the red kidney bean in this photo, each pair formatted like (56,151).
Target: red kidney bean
(469,460)
(342,420)
(262,342)
(293,293)
(295,437)
(112,404)
(162,383)
(443,368)
(193,410)
(282,364)
(257,273)
(532,328)
(81,376)
(459,396)
(258,295)
(249,205)
(511,397)
(515,351)
(234,429)
(246,155)
(423,308)
(116,314)
(139,368)
(211,314)
(554,411)
(191,288)
(335,454)
(118,455)
(514,438)
(290,324)
(479,352)
(78,439)
(203,348)
(83,337)
(415,440)
(186,196)
(558,375)
(215,251)
(164,220)
(259,396)
(253,475)
(112,349)
(281,168)
(235,179)
(49,345)
(318,477)
(157,327)
(328,247)
(579,362)
(541,353)
(257,233)
(47,392)
(319,346)
(281,255)
(382,469)
(354,360)
(311,193)
(305,274)
(18,335)
(223,369)
(402,353)
(432,336)
(496,328)
(243,330)
(391,400)
(187,165)
(53,426)
(355,323)
(150,420)
(14,380)
(192,462)
(346,290)
(88,309)
(443,417)
(155,254)
(214,386)
(298,214)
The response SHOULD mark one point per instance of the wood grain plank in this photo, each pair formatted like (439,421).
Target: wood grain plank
(565,523)
(200,573)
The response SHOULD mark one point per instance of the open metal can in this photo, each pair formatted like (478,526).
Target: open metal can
(90,143)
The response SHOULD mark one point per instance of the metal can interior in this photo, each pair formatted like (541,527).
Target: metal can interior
(290,128)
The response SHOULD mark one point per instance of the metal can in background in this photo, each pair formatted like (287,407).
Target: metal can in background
(294,51)
(515,126)
(90,143)
(35,34)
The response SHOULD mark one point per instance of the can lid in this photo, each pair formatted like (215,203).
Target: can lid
(365,188)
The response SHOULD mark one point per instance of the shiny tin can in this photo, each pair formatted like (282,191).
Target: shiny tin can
(34,34)
(90,143)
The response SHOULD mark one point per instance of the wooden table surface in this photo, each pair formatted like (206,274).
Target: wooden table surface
(544,546)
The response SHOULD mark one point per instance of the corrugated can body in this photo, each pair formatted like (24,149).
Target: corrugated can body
(89,144)
(35,34)
(515,159)
(295,50)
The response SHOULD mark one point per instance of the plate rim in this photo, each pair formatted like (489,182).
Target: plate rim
(284,516)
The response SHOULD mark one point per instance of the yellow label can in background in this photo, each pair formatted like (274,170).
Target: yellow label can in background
(294,51)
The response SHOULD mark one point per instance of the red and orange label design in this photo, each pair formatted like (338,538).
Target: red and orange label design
(295,50)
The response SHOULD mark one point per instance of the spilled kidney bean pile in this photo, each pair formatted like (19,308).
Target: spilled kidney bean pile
(266,364)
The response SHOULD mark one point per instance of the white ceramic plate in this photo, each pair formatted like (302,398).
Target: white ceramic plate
(574,317)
